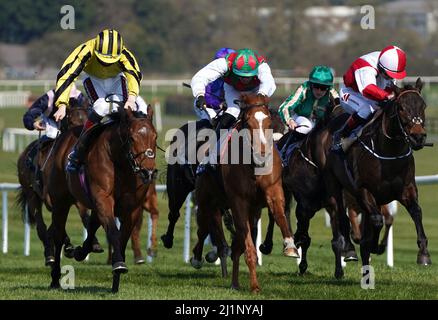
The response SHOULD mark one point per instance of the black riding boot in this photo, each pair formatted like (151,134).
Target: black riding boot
(76,157)
(352,123)
(293,136)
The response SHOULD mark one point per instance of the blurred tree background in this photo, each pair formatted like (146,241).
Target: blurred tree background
(174,37)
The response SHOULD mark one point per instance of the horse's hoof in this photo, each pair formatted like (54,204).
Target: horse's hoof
(291,252)
(50,261)
(424,260)
(139,260)
(167,241)
(211,257)
(54,285)
(351,256)
(120,267)
(302,266)
(235,287)
(79,254)
(152,252)
(265,248)
(339,274)
(255,290)
(196,263)
(69,251)
(97,248)
(380,249)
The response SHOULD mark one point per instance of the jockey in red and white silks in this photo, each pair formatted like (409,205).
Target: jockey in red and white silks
(367,82)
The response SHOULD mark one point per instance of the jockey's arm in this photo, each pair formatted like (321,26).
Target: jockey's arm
(367,85)
(36,110)
(131,71)
(71,68)
(286,109)
(267,83)
(212,71)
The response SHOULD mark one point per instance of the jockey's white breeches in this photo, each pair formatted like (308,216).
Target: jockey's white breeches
(114,89)
(304,125)
(52,130)
(352,101)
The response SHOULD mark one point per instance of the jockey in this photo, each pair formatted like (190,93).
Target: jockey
(39,116)
(243,71)
(304,108)
(111,69)
(367,83)
(214,92)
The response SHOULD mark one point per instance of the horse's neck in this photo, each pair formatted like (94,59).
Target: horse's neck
(389,135)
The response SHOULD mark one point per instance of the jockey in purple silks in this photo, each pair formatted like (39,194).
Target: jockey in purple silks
(214,92)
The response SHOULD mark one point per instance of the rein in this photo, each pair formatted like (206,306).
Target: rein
(415,120)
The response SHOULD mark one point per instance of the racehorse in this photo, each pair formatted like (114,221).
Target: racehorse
(33,177)
(180,182)
(238,186)
(379,168)
(118,170)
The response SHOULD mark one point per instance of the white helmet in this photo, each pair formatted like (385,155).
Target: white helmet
(392,60)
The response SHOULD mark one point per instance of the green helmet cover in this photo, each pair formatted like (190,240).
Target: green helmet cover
(246,63)
(321,75)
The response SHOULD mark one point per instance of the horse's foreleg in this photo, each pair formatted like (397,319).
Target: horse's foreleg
(251,260)
(266,246)
(302,237)
(355,225)
(59,219)
(135,241)
(388,219)
(203,222)
(152,207)
(275,200)
(410,202)
(81,252)
(85,216)
(177,192)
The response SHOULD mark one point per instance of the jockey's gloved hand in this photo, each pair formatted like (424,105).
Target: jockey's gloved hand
(200,102)
(384,103)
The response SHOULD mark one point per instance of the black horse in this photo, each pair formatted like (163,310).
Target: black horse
(379,168)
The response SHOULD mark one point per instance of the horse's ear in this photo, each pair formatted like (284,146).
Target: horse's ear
(150,112)
(396,89)
(419,84)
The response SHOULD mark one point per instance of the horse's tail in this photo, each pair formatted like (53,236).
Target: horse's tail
(21,201)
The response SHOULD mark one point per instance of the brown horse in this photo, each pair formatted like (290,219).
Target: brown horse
(238,186)
(33,177)
(119,168)
(379,168)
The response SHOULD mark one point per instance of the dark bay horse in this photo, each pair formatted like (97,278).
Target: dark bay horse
(34,187)
(119,168)
(239,187)
(379,168)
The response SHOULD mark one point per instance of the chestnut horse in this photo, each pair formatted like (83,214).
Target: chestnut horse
(33,191)
(245,190)
(379,168)
(118,169)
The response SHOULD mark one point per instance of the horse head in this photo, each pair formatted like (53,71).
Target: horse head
(409,110)
(255,117)
(141,140)
(77,113)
